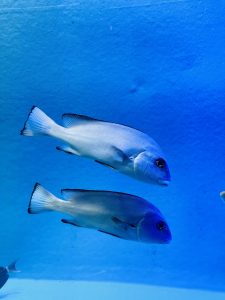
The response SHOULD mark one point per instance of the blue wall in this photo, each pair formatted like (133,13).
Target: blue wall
(158,66)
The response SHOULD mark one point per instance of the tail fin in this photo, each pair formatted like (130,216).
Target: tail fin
(12,267)
(37,123)
(41,200)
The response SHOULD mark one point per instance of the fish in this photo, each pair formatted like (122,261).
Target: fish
(222,195)
(116,146)
(117,214)
(4,273)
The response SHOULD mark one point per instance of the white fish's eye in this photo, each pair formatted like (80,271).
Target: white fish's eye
(160,163)
(161,225)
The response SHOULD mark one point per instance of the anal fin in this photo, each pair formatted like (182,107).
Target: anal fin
(112,234)
(67,149)
(71,222)
(104,164)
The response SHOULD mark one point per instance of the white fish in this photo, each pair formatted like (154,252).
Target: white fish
(125,149)
(118,214)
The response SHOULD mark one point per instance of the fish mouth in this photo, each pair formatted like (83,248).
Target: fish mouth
(164,182)
(168,239)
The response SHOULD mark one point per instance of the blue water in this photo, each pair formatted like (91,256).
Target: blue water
(156,65)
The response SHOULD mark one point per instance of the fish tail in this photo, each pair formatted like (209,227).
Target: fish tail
(38,123)
(42,200)
(12,267)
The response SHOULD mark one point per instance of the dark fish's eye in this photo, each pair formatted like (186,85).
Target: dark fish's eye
(161,225)
(160,163)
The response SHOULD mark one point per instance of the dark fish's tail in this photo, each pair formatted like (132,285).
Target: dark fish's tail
(12,267)
(41,200)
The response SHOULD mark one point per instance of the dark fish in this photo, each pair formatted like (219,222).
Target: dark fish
(4,273)
(118,214)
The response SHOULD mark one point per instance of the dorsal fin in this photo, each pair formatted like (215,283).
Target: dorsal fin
(72,194)
(71,120)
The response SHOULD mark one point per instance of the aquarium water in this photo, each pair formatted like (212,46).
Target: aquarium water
(154,65)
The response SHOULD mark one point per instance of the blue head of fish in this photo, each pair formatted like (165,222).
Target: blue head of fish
(152,167)
(154,229)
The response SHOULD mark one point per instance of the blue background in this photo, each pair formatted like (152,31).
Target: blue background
(158,66)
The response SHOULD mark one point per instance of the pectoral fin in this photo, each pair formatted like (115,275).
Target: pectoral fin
(123,224)
(117,156)
(71,222)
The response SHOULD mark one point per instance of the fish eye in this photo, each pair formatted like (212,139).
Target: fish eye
(161,225)
(160,163)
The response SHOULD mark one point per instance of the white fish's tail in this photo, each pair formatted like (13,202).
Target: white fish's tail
(12,267)
(43,201)
(38,123)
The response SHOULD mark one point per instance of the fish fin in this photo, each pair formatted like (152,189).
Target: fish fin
(74,194)
(71,194)
(37,123)
(71,120)
(67,149)
(112,234)
(71,222)
(104,164)
(41,200)
(123,224)
(12,267)
(117,157)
